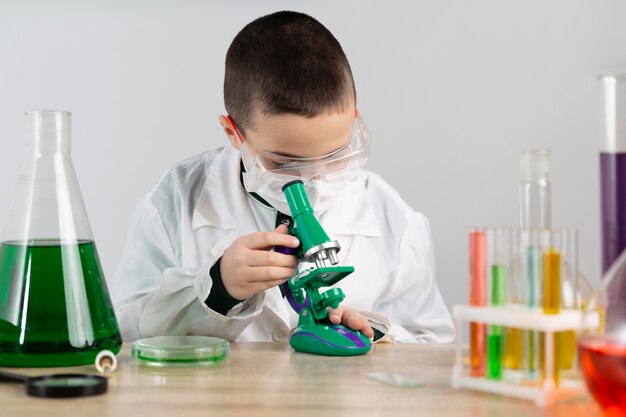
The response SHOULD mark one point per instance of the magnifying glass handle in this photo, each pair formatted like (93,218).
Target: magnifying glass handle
(9,377)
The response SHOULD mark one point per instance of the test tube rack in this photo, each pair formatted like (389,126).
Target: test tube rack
(544,393)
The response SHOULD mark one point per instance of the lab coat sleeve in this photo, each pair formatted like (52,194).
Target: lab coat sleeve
(154,296)
(417,311)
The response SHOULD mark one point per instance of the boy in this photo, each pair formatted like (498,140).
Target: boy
(199,256)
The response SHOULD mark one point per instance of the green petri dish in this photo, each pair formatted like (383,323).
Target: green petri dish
(179,351)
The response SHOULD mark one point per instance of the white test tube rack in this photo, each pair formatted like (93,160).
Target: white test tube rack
(543,393)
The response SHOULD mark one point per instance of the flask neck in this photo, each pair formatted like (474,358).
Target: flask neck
(535,190)
(535,166)
(48,205)
(48,132)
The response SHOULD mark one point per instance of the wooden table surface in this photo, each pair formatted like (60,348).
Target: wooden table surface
(269,379)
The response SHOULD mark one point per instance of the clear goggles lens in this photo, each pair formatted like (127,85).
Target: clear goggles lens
(333,166)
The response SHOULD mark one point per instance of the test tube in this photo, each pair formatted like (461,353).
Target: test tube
(514,348)
(560,270)
(499,270)
(478,298)
(531,252)
(570,292)
(495,339)
(535,213)
(551,305)
(551,281)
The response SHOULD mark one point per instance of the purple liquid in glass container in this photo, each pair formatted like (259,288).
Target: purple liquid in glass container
(613,195)
(613,190)
(606,343)
(613,206)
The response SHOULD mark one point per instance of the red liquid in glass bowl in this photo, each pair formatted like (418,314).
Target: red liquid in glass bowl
(603,365)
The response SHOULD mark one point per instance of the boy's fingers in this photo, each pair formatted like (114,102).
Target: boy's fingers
(352,319)
(267,258)
(282,229)
(265,240)
(263,285)
(361,324)
(334,315)
(270,273)
(368,332)
(366,329)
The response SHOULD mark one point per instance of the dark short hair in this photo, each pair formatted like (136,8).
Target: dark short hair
(285,62)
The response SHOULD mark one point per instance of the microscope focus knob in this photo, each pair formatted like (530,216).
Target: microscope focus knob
(332,298)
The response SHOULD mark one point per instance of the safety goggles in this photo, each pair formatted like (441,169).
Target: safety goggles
(331,167)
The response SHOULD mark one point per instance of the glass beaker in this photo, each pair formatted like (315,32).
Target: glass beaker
(55,308)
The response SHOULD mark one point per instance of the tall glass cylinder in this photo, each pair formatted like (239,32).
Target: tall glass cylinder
(55,308)
(613,168)
(613,186)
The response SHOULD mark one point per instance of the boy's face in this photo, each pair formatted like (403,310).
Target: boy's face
(296,136)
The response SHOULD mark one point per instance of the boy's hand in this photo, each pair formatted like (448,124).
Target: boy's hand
(351,318)
(249,266)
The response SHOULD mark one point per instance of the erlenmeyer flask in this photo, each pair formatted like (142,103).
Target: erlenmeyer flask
(55,308)
(602,348)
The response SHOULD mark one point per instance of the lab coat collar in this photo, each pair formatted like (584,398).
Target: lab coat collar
(350,214)
(221,189)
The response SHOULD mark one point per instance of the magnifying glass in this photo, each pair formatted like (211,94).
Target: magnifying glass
(59,385)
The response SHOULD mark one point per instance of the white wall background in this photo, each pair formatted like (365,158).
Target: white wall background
(452,92)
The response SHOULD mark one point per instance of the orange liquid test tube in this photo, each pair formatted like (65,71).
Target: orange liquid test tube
(478,298)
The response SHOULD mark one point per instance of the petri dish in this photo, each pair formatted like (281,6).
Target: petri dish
(179,351)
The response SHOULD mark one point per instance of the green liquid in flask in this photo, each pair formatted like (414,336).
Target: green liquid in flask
(55,309)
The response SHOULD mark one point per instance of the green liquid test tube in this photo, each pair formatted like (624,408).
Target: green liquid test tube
(495,338)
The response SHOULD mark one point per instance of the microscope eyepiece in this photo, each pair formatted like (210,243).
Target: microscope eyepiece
(291,183)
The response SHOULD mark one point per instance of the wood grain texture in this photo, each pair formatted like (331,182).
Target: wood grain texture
(269,379)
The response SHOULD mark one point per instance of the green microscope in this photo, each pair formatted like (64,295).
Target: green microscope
(315,333)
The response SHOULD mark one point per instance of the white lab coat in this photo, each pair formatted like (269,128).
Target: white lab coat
(184,225)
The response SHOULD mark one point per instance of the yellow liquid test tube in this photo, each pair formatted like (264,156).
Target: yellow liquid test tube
(514,351)
(566,340)
(514,338)
(551,305)
(552,282)
(568,347)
